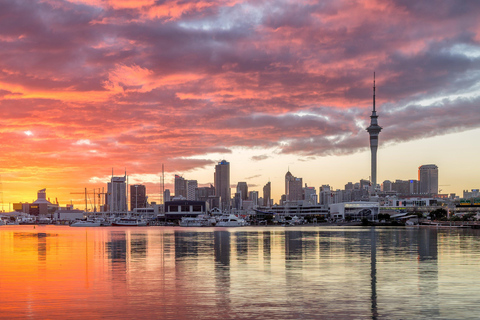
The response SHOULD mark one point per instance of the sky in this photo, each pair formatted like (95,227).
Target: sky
(91,86)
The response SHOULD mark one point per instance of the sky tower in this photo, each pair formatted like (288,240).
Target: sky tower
(374,130)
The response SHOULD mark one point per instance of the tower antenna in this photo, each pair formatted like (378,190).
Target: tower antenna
(373,91)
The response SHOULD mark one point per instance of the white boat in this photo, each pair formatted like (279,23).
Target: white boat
(190,222)
(198,221)
(86,223)
(231,220)
(129,222)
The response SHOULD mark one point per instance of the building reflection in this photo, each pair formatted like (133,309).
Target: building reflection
(428,272)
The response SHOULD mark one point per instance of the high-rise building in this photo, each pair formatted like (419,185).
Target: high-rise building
(192,185)
(428,177)
(117,194)
(374,131)
(222,183)
(166,195)
(180,186)
(138,196)
(387,186)
(293,187)
(349,186)
(242,188)
(267,195)
(310,195)
(253,196)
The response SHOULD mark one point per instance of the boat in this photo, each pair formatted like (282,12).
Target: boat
(230,220)
(86,223)
(129,222)
(190,222)
(198,221)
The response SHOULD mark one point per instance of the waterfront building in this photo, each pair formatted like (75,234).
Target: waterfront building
(138,196)
(180,186)
(41,206)
(175,210)
(354,210)
(117,194)
(374,131)
(222,184)
(428,177)
(301,210)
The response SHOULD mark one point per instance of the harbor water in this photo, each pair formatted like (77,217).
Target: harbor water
(59,272)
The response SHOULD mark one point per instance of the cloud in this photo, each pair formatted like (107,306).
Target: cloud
(260,157)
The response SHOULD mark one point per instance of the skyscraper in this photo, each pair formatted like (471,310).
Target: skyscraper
(222,183)
(180,186)
(138,196)
(242,188)
(428,177)
(192,185)
(117,194)
(374,130)
(267,195)
(293,187)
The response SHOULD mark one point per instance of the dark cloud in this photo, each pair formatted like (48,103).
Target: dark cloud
(260,157)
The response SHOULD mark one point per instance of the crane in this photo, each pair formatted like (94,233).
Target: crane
(94,192)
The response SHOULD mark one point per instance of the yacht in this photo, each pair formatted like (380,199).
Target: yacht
(86,223)
(198,221)
(190,222)
(231,220)
(129,222)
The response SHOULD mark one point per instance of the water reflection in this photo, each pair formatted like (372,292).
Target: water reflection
(247,273)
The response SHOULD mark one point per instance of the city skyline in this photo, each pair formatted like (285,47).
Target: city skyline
(86,86)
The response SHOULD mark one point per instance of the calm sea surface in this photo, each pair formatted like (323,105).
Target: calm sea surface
(58,272)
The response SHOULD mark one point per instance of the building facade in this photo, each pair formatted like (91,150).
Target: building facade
(293,187)
(428,179)
(267,195)
(242,188)
(117,194)
(222,183)
(180,186)
(138,196)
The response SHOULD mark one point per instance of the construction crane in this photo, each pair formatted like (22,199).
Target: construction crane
(95,193)
(443,185)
